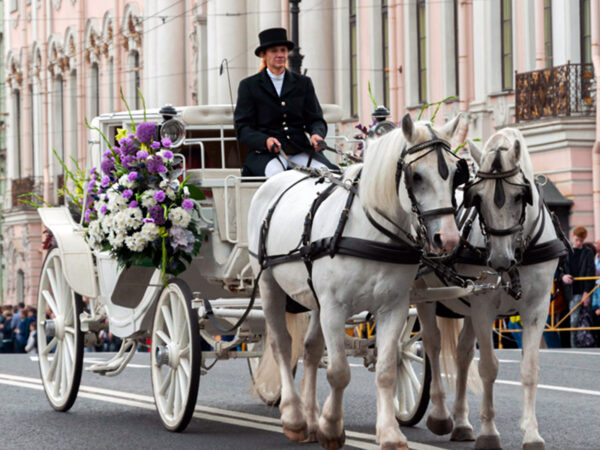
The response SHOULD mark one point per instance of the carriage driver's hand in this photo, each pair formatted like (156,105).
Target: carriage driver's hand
(314,140)
(273,145)
(567,279)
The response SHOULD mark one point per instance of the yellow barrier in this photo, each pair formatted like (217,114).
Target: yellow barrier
(551,327)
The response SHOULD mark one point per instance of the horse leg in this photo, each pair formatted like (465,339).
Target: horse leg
(488,437)
(313,351)
(273,303)
(438,420)
(533,328)
(389,325)
(331,424)
(465,350)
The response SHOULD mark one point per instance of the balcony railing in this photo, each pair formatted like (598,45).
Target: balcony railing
(21,186)
(568,90)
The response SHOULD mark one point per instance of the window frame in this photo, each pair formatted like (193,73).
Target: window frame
(353,58)
(422,59)
(507,81)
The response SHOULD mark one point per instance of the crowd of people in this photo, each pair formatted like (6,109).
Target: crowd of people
(18,329)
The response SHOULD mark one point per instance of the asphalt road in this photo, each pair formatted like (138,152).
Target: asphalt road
(119,412)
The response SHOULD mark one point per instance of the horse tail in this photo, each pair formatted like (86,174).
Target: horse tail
(449,332)
(267,379)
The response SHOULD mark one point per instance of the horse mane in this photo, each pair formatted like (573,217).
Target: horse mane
(506,138)
(378,178)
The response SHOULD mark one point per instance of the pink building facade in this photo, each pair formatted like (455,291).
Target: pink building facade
(68,59)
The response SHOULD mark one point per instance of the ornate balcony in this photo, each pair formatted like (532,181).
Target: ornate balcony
(568,90)
(21,186)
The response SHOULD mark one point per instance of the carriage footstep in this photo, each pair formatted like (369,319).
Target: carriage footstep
(462,434)
(439,426)
(534,446)
(488,443)
(331,443)
(299,435)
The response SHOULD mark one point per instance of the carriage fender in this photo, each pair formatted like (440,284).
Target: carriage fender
(75,253)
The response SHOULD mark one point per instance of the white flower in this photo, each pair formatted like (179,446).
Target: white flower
(149,231)
(180,217)
(124,181)
(117,240)
(148,199)
(135,243)
(133,218)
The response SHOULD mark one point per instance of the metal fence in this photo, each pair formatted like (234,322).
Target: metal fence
(568,90)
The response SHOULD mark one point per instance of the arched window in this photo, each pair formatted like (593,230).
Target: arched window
(585,30)
(33,125)
(58,118)
(94,91)
(506,41)
(110,68)
(353,61)
(73,116)
(16,104)
(422,49)
(133,79)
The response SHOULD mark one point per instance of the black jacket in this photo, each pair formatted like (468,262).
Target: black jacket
(260,113)
(585,268)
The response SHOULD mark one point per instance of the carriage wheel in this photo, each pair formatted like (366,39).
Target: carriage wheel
(270,393)
(413,378)
(175,356)
(59,337)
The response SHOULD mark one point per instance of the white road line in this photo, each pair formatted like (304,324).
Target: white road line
(553,388)
(510,361)
(551,350)
(201,412)
(92,361)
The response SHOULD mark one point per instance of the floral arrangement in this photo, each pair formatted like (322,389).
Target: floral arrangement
(140,211)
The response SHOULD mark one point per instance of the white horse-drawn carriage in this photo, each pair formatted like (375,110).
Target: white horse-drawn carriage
(85,291)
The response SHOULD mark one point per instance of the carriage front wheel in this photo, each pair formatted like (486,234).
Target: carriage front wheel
(59,336)
(413,377)
(175,360)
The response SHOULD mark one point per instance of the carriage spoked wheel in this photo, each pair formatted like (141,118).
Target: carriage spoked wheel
(270,391)
(175,359)
(59,336)
(413,377)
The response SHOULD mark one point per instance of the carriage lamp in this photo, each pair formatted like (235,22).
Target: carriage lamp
(171,127)
(381,125)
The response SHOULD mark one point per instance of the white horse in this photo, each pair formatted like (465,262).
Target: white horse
(403,173)
(512,216)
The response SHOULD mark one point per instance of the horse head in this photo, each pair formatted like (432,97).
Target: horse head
(415,166)
(502,192)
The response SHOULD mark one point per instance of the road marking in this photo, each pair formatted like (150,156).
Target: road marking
(551,350)
(513,361)
(201,412)
(553,388)
(92,361)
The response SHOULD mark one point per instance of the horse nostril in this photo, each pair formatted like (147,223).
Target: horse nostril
(437,240)
(513,262)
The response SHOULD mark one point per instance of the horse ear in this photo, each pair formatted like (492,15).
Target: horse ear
(408,127)
(517,150)
(450,128)
(475,151)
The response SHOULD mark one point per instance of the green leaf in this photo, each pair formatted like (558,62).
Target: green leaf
(143,102)
(128,109)
(87,124)
(371,95)
(195,192)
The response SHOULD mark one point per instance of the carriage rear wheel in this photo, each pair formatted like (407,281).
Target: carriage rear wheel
(413,377)
(59,336)
(175,357)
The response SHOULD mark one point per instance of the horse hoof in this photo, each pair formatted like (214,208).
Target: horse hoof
(462,434)
(439,426)
(298,435)
(331,443)
(534,446)
(390,446)
(488,443)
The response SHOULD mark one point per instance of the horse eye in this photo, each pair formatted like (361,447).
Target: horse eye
(518,198)
(416,178)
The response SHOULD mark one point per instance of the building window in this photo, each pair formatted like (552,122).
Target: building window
(33,128)
(548,32)
(94,91)
(586,31)
(111,84)
(353,61)
(456,44)
(506,41)
(386,49)
(134,79)
(73,117)
(58,116)
(17,133)
(20,287)
(422,50)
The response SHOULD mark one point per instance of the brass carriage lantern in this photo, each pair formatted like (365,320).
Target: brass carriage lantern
(381,125)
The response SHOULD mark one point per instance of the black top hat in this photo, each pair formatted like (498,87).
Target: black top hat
(272,37)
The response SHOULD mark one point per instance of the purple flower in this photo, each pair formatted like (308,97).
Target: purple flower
(187,204)
(155,164)
(106,154)
(88,212)
(159,196)
(166,142)
(133,204)
(146,131)
(93,171)
(181,239)
(103,209)
(126,161)
(148,220)
(127,193)
(168,154)
(90,187)
(105,182)
(142,154)
(107,166)
(132,176)
(155,145)
(157,214)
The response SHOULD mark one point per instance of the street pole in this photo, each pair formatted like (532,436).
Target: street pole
(295,57)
